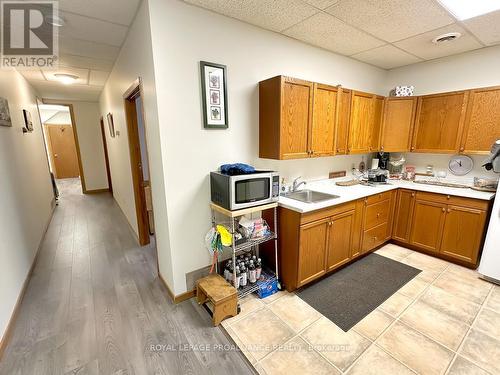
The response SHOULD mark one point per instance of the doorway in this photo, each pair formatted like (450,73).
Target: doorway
(61,142)
(139,161)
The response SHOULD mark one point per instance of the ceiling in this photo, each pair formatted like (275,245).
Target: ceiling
(384,33)
(89,44)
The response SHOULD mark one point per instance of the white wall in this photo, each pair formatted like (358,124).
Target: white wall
(183,35)
(136,60)
(59,118)
(25,192)
(87,117)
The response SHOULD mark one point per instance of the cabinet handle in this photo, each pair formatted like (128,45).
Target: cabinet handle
(413,194)
(412,148)
(378,215)
(443,209)
(462,149)
(447,197)
(449,210)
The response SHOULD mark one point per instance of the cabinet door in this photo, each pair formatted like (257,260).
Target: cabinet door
(439,122)
(312,250)
(397,124)
(296,116)
(322,131)
(403,215)
(427,225)
(463,232)
(340,236)
(360,122)
(375,127)
(482,123)
(342,129)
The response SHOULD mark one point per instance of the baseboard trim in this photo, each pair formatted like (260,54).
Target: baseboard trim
(96,191)
(180,297)
(4,340)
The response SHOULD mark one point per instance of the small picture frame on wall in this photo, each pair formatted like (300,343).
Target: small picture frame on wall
(111,125)
(214,95)
(28,121)
(5,119)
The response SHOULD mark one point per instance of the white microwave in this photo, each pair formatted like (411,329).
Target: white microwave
(244,190)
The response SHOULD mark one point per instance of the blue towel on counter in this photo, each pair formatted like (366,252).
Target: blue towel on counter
(236,169)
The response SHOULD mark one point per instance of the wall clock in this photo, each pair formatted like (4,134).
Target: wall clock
(460,165)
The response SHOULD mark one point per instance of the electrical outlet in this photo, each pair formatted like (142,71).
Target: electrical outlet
(337,174)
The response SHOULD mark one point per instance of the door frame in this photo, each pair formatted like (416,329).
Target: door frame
(106,156)
(75,136)
(136,90)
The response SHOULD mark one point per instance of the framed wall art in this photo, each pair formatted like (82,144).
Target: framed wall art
(111,125)
(5,119)
(214,95)
(28,121)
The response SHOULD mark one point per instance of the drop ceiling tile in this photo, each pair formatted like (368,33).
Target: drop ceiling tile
(85,62)
(91,29)
(321,4)
(423,47)
(392,20)
(85,48)
(54,90)
(82,74)
(98,78)
(486,28)
(276,15)
(32,75)
(324,30)
(121,11)
(386,57)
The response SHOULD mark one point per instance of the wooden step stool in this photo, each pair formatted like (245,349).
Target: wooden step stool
(217,291)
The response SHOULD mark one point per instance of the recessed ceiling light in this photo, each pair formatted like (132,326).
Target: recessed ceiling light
(446,38)
(465,9)
(55,20)
(67,79)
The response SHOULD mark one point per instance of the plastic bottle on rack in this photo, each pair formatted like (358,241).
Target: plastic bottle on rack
(230,274)
(238,277)
(258,268)
(252,273)
(243,276)
(226,269)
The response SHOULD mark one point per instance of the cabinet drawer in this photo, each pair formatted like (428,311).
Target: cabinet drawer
(374,237)
(454,200)
(377,213)
(378,198)
(327,212)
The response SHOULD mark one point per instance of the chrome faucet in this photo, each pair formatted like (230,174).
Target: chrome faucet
(296,184)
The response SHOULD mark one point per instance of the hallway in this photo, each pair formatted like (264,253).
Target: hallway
(95,305)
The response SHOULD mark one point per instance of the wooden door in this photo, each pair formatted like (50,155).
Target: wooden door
(296,117)
(344,113)
(340,235)
(322,131)
(397,124)
(312,250)
(439,122)
(463,233)
(403,215)
(63,151)
(482,122)
(360,122)
(375,127)
(427,225)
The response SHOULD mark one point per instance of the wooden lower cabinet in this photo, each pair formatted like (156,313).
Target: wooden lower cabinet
(427,225)
(463,233)
(340,237)
(403,215)
(312,250)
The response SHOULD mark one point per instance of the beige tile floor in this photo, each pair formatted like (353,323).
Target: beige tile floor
(444,321)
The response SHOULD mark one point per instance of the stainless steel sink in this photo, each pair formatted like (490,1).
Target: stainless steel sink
(310,196)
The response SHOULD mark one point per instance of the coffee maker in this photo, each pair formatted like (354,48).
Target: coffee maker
(383,160)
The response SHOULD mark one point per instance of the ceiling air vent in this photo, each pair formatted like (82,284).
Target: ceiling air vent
(448,37)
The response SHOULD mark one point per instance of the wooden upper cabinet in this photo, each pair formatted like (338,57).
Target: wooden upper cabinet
(312,250)
(439,122)
(322,131)
(397,124)
(463,233)
(285,115)
(341,230)
(364,124)
(482,122)
(344,112)
(427,224)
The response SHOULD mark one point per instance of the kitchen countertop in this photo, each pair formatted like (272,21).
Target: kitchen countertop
(351,193)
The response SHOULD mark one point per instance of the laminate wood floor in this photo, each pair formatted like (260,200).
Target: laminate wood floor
(95,305)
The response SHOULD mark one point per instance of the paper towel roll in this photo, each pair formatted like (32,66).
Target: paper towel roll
(374,164)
